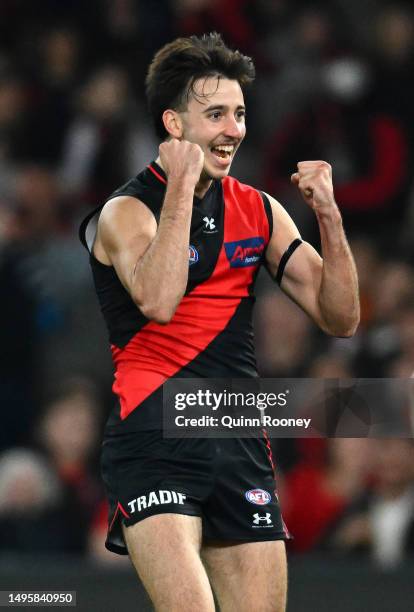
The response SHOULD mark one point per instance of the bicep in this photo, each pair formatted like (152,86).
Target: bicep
(126,229)
(302,270)
(302,278)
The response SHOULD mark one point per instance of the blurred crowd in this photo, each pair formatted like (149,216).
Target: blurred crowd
(333,83)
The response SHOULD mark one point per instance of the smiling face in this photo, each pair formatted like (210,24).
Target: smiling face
(215,120)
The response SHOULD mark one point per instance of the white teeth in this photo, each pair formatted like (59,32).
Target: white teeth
(225,148)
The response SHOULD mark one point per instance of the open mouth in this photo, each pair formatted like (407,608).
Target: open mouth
(223,152)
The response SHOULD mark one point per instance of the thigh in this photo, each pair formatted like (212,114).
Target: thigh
(165,551)
(248,576)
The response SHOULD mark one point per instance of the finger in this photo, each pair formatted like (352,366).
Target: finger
(312,163)
(305,187)
(295,178)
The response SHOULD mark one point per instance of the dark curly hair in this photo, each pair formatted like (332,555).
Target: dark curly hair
(175,68)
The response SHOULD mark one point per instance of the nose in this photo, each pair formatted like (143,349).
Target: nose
(234,128)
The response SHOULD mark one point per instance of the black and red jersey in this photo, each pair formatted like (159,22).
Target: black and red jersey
(210,334)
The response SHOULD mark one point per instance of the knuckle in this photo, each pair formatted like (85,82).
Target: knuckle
(325,166)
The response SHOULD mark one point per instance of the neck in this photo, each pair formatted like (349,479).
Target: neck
(201,187)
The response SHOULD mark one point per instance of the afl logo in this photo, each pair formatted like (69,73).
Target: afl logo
(258,497)
(193,255)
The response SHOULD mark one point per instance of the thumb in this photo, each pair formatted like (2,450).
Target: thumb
(295,178)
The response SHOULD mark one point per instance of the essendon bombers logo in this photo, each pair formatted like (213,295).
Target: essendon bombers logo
(243,253)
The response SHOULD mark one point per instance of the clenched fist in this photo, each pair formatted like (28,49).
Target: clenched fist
(314,179)
(182,160)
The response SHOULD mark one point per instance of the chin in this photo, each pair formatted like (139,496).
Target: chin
(216,173)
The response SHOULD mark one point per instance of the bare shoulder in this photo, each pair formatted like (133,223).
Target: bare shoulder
(126,214)
(123,222)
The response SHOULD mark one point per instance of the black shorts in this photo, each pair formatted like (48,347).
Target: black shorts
(229,483)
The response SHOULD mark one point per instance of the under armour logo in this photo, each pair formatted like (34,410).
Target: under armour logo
(210,225)
(266,518)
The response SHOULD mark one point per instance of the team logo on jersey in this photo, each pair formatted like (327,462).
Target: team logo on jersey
(244,253)
(156,498)
(258,497)
(209,225)
(262,521)
(192,255)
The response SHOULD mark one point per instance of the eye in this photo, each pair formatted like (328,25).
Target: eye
(241,114)
(215,115)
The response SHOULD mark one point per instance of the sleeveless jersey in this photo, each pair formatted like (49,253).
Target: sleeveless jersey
(211,333)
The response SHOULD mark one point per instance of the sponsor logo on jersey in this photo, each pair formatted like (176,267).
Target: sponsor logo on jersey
(244,253)
(192,255)
(209,225)
(258,497)
(156,498)
(262,520)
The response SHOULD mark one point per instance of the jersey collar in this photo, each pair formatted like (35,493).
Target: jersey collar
(157,172)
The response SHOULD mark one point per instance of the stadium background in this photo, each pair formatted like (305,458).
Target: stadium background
(334,82)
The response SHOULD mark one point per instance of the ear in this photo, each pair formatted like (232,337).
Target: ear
(172,123)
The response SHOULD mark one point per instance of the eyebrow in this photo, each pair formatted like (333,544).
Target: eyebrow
(214,107)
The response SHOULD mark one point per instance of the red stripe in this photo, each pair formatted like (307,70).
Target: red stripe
(270,456)
(158,352)
(113,519)
(124,512)
(286,530)
(157,174)
(119,507)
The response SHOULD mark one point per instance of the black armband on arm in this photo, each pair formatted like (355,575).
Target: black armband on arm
(285,258)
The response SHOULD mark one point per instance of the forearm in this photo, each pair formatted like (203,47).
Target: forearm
(338,297)
(160,276)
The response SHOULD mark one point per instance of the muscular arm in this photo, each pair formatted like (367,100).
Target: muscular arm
(338,295)
(150,261)
(326,288)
